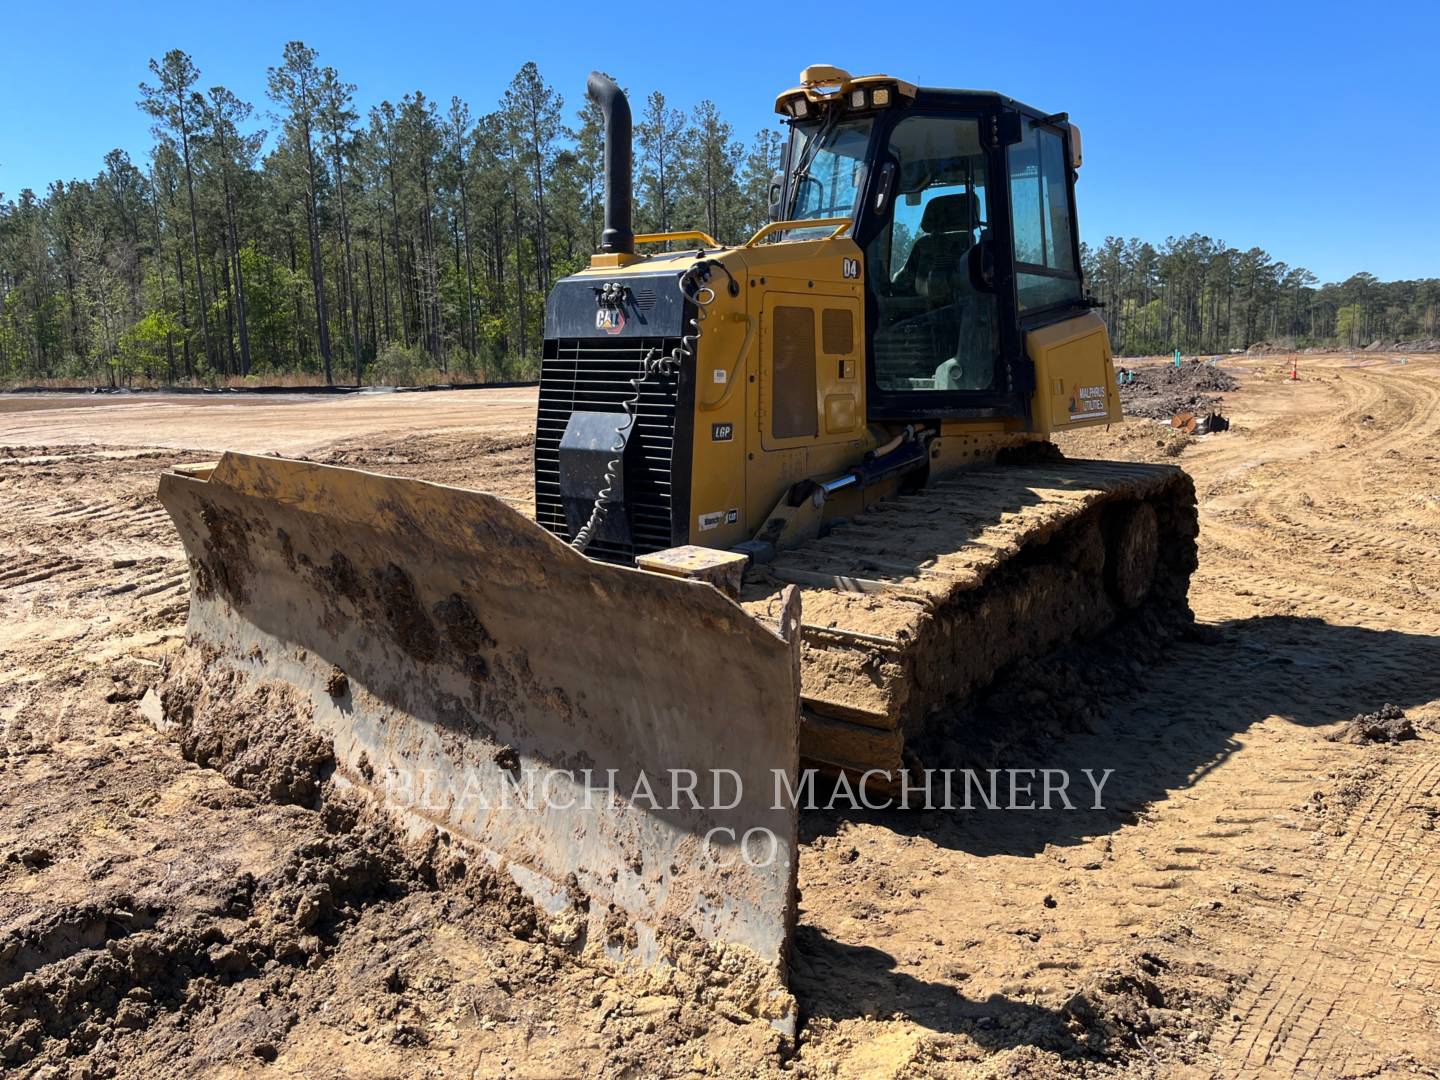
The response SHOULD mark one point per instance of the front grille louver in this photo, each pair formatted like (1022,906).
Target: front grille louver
(593,374)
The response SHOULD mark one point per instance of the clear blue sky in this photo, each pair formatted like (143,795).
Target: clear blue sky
(1309,129)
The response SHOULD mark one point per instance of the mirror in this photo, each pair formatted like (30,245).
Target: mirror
(773,194)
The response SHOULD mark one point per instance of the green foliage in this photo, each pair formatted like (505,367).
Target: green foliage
(399,365)
(1348,321)
(425,241)
(145,348)
(1200,295)
(273,292)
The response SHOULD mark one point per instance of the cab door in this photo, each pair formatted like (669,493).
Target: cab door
(935,299)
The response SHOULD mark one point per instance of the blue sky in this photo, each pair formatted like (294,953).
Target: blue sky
(1309,129)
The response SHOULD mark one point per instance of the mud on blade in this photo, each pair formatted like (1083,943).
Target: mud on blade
(453,651)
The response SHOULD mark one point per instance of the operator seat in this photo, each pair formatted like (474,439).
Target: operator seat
(934,325)
(936,264)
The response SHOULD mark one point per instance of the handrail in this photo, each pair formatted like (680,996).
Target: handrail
(805,223)
(683,234)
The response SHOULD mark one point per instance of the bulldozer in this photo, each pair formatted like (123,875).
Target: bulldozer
(796,504)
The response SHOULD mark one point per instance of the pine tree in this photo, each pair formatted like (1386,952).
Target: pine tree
(295,85)
(179,111)
(661,135)
(532,111)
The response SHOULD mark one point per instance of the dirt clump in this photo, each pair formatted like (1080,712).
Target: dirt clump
(258,735)
(1149,1003)
(1388,724)
(79,980)
(1159,391)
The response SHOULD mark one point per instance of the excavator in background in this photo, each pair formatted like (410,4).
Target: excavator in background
(795,503)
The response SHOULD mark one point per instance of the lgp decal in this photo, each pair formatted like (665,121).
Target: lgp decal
(850,268)
(611,320)
(722,432)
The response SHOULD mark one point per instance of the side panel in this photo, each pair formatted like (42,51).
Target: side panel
(718,467)
(837,400)
(733,474)
(1074,377)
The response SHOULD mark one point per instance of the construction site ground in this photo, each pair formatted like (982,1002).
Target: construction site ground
(1256,898)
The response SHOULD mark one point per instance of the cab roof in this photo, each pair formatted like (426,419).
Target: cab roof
(824,85)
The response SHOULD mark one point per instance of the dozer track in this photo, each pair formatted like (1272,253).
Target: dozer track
(914,606)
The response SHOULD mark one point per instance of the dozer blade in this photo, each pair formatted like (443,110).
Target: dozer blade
(474,673)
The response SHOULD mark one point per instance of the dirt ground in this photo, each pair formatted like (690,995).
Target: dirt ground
(1256,899)
(1159,391)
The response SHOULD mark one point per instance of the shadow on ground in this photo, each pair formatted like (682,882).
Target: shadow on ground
(873,988)
(1183,715)
(1180,717)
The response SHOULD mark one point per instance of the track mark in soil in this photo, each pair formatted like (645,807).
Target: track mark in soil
(1358,958)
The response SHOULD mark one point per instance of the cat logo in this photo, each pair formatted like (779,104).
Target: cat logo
(850,268)
(611,320)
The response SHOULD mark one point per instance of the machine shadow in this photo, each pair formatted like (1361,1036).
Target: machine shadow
(1185,716)
(840,981)
(1182,718)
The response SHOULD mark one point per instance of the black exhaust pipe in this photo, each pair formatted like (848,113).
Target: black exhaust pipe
(618,236)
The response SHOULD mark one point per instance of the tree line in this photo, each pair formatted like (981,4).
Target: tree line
(418,241)
(415,242)
(1198,295)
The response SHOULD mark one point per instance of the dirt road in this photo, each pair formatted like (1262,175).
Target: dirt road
(290,424)
(1254,899)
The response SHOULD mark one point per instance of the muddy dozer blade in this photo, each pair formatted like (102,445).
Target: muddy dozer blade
(565,716)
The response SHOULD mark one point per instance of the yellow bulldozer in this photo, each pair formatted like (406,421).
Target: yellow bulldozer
(795,504)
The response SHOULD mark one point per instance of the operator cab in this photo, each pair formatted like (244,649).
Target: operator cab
(963,205)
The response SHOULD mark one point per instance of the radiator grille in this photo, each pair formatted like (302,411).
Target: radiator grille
(593,374)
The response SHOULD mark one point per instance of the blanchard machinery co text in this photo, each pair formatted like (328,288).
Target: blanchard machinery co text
(719,790)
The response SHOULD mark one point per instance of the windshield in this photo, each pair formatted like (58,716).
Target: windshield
(827,167)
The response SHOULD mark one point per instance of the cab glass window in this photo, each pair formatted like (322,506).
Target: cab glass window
(827,167)
(928,268)
(1045,270)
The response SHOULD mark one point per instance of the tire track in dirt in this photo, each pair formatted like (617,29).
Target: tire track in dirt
(1299,504)
(27,571)
(1345,961)
(1316,559)
(1310,598)
(1357,948)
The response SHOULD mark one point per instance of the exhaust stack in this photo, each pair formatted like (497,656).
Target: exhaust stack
(618,236)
